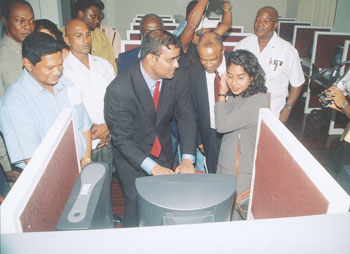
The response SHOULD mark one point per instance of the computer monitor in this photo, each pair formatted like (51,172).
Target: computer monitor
(185,199)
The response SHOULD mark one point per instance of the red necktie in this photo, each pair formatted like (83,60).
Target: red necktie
(156,145)
(216,86)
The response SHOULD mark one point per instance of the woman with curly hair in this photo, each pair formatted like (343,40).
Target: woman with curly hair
(242,94)
(48,27)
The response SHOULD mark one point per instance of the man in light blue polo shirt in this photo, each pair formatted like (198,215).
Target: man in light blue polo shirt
(32,104)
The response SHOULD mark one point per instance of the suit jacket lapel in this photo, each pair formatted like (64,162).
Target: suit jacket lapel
(165,98)
(142,92)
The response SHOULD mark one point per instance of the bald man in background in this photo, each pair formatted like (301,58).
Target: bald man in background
(92,74)
(90,11)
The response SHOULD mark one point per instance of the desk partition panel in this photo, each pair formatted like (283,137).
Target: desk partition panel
(286,29)
(287,180)
(303,37)
(37,199)
(127,45)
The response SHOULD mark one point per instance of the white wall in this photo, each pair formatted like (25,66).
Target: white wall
(120,13)
(291,8)
(47,9)
(341,22)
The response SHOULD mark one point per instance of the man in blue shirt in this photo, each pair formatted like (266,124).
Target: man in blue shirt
(31,105)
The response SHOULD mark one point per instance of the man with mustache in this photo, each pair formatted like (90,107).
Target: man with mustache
(139,105)
(17,17)
(92,74)
(279,59)
(32,104)
(205,83)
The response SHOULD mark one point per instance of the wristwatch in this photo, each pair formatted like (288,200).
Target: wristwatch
(289,107)
(345,104)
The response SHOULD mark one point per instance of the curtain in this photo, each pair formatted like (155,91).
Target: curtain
(318,12)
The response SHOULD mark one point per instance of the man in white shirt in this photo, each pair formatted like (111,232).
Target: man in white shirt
(92,74)
(279,59)
(211,65)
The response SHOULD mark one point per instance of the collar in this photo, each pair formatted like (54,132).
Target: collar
(151,83)
(75,60)
(272,41)
(35,88)
(12,44)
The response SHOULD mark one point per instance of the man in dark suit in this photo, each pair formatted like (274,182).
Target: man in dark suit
(148,23)
(204,75)
(139,126)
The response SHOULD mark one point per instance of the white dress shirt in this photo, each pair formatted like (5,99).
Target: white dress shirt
(281,63)
(210,86)
(92,83)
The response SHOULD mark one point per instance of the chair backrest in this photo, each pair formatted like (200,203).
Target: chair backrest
(286,29)
(303,37)
(235,37)
(236,29)
(133,35)
(127,45)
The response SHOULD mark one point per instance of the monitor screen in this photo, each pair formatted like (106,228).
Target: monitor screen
(185,199)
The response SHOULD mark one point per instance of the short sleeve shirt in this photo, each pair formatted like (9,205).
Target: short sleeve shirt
(92,84)
(27,112)
(114,38)
(281,63)
(102,47)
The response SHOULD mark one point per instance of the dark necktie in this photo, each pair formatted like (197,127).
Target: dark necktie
(216,85)
(156,145)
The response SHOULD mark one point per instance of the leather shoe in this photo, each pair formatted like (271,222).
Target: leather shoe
(117,220)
